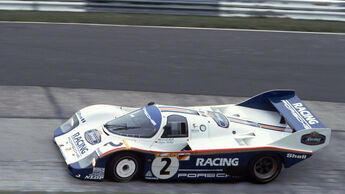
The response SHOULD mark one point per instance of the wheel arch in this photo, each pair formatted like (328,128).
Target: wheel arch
(255,157)
(278,154)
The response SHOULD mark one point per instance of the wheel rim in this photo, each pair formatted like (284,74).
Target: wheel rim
(265,167)
(125,168)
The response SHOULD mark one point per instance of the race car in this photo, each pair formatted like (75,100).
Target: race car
(253,139)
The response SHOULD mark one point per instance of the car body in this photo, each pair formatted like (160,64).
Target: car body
(253,139)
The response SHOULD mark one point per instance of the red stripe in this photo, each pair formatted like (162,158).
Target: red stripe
(174,109)
(271,127)
(260,125)
(108,152)
(239,121)
(212,150)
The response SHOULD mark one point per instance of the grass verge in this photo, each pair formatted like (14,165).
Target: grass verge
(174,20)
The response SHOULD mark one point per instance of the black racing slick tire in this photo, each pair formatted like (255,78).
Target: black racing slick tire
(264,168)
(123,167)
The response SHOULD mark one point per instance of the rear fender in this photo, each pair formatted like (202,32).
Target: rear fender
(307,140)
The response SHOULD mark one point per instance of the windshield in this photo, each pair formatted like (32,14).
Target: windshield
(219,118)
(138,123)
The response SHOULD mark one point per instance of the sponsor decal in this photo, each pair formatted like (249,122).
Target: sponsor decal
(305,113)
(313,138)
(149,173)
(202,175)
(217,162)
(296,156)
(166,141)
(149,117)
(298,117)
(195,128)
(158,155)
(82,119)
(97,174)
(93,136)
(151,178)
(202,128)
(78,144)
(74,148)
(184,156)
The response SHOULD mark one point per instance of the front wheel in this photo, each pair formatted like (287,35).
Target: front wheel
(264,168)
(123,167)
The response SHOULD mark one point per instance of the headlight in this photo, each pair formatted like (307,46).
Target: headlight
(70,124)
(67,126)
(89,161)
(93,162)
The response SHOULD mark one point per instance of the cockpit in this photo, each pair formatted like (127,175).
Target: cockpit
(146,122)
(142,123)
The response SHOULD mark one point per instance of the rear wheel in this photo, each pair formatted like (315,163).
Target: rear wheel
(264,168)
(123,167)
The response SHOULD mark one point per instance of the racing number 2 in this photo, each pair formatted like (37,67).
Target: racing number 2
(165,167)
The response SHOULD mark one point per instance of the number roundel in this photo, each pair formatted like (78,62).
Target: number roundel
(165,167)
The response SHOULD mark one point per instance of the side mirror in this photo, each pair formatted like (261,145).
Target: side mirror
(150,103)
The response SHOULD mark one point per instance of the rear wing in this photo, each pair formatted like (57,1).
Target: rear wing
(310,134)
(295,112)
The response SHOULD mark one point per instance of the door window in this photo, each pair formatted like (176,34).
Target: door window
(176,126)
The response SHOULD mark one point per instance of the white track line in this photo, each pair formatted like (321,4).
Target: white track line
(172,27)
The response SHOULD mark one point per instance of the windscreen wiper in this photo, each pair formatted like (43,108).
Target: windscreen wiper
(119,127)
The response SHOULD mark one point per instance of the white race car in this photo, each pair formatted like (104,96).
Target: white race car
(251,139)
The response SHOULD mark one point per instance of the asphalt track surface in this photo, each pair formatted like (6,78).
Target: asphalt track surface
(164,60)
(212,62)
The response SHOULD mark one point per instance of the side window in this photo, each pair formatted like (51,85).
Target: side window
(176,127)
